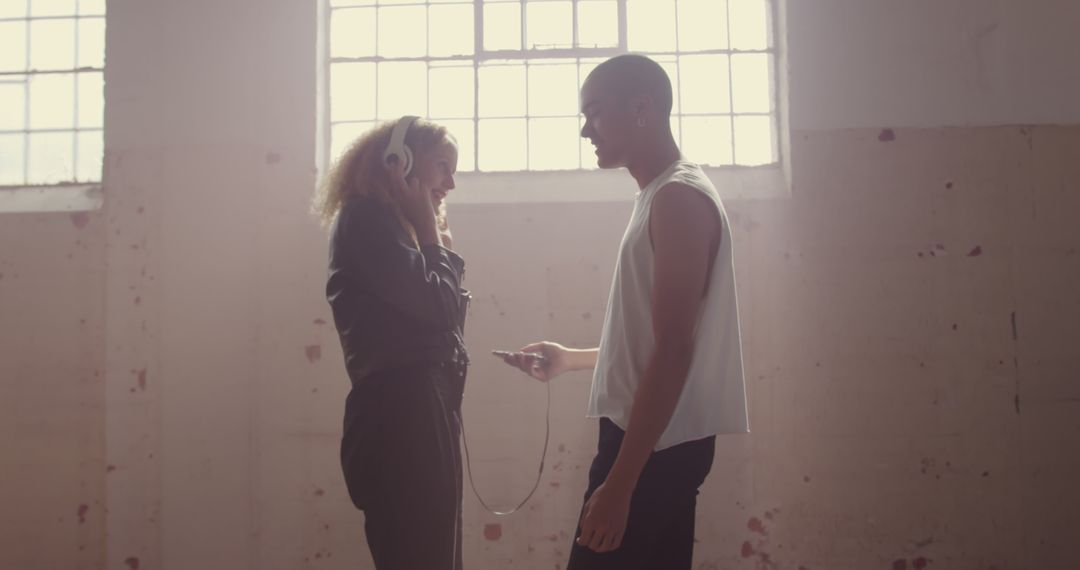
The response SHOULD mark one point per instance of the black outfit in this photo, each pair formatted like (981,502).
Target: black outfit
(400,313)
(660,529)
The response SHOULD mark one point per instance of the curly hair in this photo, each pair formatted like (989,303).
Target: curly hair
(360,170)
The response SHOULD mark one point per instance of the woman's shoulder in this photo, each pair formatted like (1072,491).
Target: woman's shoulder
(365,212)
(363,207)
(365,217)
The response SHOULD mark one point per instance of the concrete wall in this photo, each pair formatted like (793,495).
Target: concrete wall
(52,388)
(171,392)
(926,63)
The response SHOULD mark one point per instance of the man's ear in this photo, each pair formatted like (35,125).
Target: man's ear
(640,105)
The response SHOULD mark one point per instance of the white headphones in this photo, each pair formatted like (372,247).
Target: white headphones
(397,146)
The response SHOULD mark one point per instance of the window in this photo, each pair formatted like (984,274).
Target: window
(52,56)
(503,75)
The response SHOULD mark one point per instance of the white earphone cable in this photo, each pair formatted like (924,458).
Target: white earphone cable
(539,472)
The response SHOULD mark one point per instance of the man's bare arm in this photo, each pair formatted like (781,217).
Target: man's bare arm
(685,230)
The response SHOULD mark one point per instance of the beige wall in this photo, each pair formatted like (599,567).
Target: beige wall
(165,362)
(52,388)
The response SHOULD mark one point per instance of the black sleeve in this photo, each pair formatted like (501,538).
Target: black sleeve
(424,283)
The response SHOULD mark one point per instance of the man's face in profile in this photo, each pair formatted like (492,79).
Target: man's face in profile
(608,124)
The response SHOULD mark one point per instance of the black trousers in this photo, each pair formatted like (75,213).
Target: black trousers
(660,530)
(401,457)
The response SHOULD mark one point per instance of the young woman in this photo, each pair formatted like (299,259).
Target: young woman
(399,308)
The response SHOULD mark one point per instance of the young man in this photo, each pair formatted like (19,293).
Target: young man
(668,373)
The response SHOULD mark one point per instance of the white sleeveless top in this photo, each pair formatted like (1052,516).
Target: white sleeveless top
(713,400)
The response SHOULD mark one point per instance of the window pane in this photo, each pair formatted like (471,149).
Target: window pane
(598,24)
(553,90)
(466,139)
(751,81)
(352,2)
(398,27)
(402,89)
(52,44)
(51,158)
(92,42)
(451,30)
(343,135)
(12,105)
(92,7)
(704,80)
(11,160)
(451,92)
(91,100)
(502,91)
(551,25)
(553,144)
(707,140)
(502,26)
(52,101)
(51,7)
(754,141)
(352,33)
(703,24)
(12,46)
(91,151)
(502,144)
(749,24)
(650,25)
(12,9)
(352,91)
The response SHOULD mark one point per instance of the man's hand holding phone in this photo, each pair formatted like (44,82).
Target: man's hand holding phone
(541,360)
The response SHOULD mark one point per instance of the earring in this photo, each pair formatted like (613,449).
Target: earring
(640,122)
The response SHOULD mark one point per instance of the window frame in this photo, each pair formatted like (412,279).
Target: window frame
(71,195)
(769,179)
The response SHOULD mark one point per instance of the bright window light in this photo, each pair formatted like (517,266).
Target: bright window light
(52,59)
(503,75)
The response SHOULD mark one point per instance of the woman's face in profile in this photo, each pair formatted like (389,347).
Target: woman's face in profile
(436,171)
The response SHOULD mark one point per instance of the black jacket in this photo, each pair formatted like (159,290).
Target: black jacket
(394,305)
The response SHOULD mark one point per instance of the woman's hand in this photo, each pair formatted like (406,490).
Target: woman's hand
(556,360)
(444,228)
(415,202)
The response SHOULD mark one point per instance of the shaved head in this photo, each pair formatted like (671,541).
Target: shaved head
(633,75)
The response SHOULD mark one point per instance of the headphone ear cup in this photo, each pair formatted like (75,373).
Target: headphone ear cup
(407,157)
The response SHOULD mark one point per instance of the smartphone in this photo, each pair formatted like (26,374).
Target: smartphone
(505,353)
